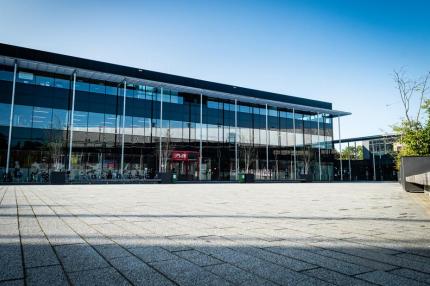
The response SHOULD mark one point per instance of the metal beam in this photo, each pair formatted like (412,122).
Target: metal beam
(319,146)
(236,163)
(267,139)
(294,146)
(123,128)
(12,105)
(71,121)
(161,131)
(349,163)
(201,135)
(340,150)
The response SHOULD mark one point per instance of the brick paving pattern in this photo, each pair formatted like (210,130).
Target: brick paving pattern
(214,234)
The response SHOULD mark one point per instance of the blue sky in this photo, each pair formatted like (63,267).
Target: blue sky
(338,51)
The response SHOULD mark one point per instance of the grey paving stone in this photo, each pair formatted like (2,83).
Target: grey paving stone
(19,282)
(385,278)
(335,277)
(236,275)
(152,253)
(276,273)
(414,257)
(138,272)
(187,273)
(341,228)
(198,258)
(282,260)
(326,262)
(10,261)
(78,257)
(357,260)
(49,275)
(105,276)
(224,254)
(39,254)
(110,251)
(415,275)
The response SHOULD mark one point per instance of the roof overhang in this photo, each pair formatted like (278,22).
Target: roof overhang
(118,78)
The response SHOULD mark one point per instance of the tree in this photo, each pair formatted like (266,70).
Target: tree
(408,89)
(247,154)
(414,133)
(353,153)
(414,136)
(166,150)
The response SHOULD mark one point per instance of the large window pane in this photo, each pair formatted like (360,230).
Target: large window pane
(6,75)
(111,90)
(42,117)
(80,120)
(82,86)
(59,119)
(96,122)
(62,83)
(5,114)
(97,88)
(22,116)
(25,77)
(44,80)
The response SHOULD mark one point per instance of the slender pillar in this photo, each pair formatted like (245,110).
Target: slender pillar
(12,105)
(319,145)
(340,150)
(374,167)
(349,163)
(201,135)
(294,146)
(71,121)
(161,131)
(356,151)
(267,140)
(123,128)
(236,163)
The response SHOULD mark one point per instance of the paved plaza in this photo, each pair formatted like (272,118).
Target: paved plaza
(214,234)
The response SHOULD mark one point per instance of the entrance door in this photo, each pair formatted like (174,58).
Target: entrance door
(185,164)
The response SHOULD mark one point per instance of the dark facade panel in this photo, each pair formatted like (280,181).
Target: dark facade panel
(58,59)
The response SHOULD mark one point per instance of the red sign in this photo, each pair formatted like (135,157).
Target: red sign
(179,156)
(185,155)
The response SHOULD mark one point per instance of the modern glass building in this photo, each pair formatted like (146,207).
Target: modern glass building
(106,121)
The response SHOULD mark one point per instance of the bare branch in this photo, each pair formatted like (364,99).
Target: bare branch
(423,88)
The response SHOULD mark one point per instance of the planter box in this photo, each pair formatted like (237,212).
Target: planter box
(411,167)
(58,178)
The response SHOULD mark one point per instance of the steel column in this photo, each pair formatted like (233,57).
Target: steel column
(236,165)
(374,167)
(12,105)
(319,145)
(267,140)
(123,128)
(349,163)
(71,121)
(294,146)
(161,131)
(201,135)
(340,150)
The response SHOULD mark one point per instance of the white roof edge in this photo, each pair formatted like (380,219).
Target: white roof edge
(65,70)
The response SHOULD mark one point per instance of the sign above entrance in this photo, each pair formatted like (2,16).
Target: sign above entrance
(184,155)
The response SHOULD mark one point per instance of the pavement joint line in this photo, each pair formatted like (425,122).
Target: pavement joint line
(108,262)
(362,238)
(50,244)
(115,243)
(20,241)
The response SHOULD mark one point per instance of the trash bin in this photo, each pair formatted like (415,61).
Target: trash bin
(241,178)
(249,178)
(174,178)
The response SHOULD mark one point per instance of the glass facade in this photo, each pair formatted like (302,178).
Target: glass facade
(272,143)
